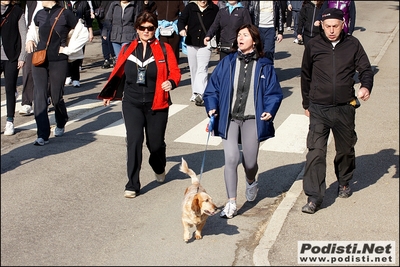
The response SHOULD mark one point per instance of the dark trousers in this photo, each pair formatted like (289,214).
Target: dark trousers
(27,81)
(323,119)
(174,41)
(73,69)
(154,124)
(10,77)
(268,39)
(106,45)
(53,73)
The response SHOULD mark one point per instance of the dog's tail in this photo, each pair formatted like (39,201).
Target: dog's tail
(185,169)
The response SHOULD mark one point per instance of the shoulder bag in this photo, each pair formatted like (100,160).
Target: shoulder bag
(39,56)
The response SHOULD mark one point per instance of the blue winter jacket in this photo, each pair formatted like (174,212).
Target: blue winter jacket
(267,95)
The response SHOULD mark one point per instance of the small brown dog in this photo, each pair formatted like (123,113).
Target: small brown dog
(196,206)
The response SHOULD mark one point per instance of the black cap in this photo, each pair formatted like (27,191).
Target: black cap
(332,13)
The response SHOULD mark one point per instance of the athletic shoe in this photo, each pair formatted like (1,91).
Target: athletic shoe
(9,129)
(129,194)
(59,132)
(310,208)
(40,142)
(251,191)
(199,100)
(289,29)
(344,191)
(76,84)
(160,177)
(229,211)
(26,110)
(192,99)
(296,41)
(106,64)
(68,81)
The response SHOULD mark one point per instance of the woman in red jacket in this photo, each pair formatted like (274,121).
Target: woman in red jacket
(145,72)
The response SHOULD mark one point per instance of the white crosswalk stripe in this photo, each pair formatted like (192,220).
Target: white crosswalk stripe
(290,136)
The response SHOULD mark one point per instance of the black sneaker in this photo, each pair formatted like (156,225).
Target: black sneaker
(310,208)
(106,64)
(344,191)
(199,100)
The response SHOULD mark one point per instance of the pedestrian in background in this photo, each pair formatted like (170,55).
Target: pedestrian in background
(349,13)
(106,45)
(12,51)
(81,10)
(243,95)
(31,8)
(198,54)
(227,21)
(294,8)
(144,83)
(329,64)
(54,70)
(268,17)
(308,25)
(167,14)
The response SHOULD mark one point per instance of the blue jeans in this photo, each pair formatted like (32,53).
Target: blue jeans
(268,39)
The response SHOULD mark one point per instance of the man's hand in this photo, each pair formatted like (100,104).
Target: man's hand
(363,93)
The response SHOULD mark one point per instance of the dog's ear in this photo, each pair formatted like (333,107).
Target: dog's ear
(196,205)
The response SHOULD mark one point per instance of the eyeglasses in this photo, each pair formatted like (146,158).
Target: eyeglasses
(149,28)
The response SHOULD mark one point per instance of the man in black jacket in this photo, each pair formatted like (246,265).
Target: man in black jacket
(329,64)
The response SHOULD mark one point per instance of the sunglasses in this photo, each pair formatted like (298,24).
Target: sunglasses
(149,28)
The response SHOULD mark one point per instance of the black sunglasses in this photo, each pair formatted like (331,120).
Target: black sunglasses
(149,28)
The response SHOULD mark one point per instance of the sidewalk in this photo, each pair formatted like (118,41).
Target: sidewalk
(372,212)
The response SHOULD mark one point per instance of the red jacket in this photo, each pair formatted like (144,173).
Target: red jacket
(115,85)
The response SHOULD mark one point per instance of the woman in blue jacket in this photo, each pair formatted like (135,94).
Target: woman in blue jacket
(243,94)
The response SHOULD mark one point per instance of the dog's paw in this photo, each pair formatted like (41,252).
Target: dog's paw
(198,237)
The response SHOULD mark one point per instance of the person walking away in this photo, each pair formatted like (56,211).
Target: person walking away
(13,35)
(31,9)
(349,13)
(106,45)
(54,70)
(167,14)
(329,64)
(144,83)
(81,10)
(244,96)
(308,25)
(198,54)
(294,8)
(227,21)
(268,17)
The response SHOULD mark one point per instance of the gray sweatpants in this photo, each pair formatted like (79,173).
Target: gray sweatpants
(246,131)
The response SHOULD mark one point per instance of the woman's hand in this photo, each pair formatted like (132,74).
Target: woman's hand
(30,46)
(206,40)
(212,113)
(20,64)
(266,116)
(182,33)
(166,86)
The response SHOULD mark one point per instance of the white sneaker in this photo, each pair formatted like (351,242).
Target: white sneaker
(68,81)
(40,142)
(76,84)
(160,177)
(229,211)
(129,194)
(59,132)
(194,95)
(296,41)
(9,129)
(289,29)
(251,191)
(26,110)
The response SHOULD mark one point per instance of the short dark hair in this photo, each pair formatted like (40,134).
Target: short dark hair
(146,16)
(255,35)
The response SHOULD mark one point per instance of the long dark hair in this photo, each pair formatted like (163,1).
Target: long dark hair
(255,35)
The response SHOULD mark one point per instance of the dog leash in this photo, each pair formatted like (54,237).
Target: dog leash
(209,129)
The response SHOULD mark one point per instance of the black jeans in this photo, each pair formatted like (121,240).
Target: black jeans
(10,76)
(140,120)
(323,119)
(52,73)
